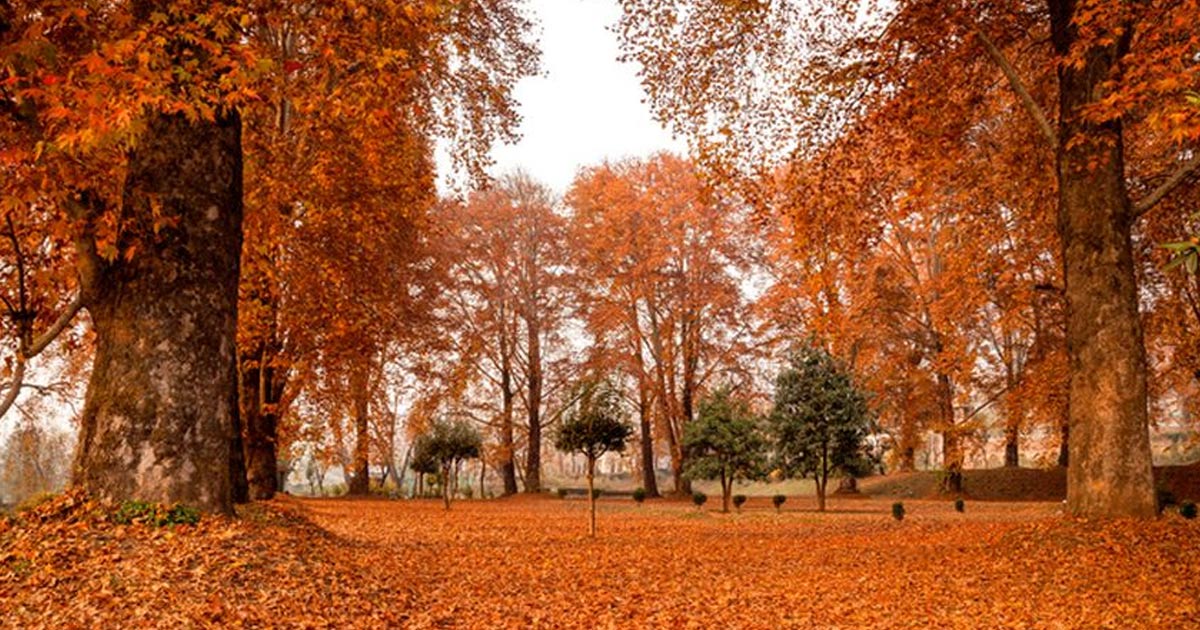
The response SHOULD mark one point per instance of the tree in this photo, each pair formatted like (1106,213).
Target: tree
(123,129)
(661,268)
(1108,66)
(820,419)
(448,444)
(505,302)
(593,426)
(724,442)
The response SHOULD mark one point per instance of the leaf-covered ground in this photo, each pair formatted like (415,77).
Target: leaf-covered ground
(521,563)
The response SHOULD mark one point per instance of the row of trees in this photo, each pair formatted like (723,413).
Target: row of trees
(963,170)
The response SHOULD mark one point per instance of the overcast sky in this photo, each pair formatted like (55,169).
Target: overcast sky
(586,107)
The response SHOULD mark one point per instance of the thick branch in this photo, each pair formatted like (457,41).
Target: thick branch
(18,379)
(37,345)
(1178,177)
(1010,73)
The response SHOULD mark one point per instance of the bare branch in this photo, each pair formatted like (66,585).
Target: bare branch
(1158,194)
(1018,86)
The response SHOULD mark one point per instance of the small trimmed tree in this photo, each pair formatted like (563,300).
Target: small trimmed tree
(820,421)
(448,444)
(724,442)
(596,424)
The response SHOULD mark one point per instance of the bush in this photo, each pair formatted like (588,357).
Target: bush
(699,498)
(155,514)
(596,492)
(738,501)
(562,493)
(898,511)
(778,500)
(960,505)
(639,495)
(1187,510)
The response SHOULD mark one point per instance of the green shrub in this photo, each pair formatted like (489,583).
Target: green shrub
(778,501)
(639,495)
(596,492)
(699,498)
(562,493)
(1187,510)
(960,505)
(898,511)
(738,501)
(155,514)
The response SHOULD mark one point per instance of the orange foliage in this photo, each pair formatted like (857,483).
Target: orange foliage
(412,564)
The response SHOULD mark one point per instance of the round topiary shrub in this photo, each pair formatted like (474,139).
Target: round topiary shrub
(699,498)
(960,505)
(639,495)
(778,500)
(898,511)
(738,501)
(1187,510)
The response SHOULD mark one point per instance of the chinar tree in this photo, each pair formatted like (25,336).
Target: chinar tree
(725,442)
(595,425)
(820,420)
(449,444)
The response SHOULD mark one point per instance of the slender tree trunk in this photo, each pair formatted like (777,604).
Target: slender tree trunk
(952,455)
(1012,453)
(1109,473)
(446,486)
(158,422)
(649,475)
(533,456)
(360,393)
(821,481)
(1064,445)
(240,488)
(508,468)
(591,477)
(260,396)
(726,490)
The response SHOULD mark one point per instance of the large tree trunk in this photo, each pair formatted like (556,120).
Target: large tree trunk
(360,392)
(157,423)
(1110,466)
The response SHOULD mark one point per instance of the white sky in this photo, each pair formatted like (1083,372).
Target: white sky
(586,106)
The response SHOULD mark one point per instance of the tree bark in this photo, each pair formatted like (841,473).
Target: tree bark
(239,484)
(533,454)
(261,393)
(1012,453)
(591,478)
(360,392)
(158,420)
(508,467)
(1109,473)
